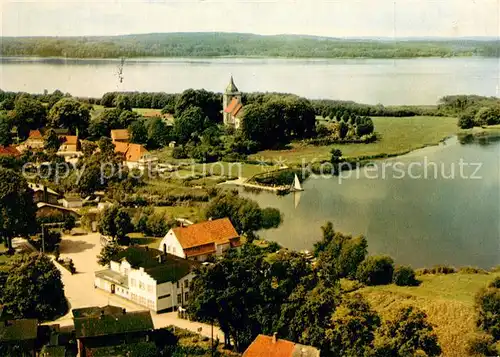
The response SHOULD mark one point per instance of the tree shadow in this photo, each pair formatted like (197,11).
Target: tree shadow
(75,246)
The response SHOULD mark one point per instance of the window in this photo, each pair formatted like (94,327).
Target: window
(186,283)
(168,249)
(173,250)
(178,285)
(186,296)
(141,285)
(179,299)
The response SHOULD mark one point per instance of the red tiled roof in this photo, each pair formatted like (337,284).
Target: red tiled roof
(264,346)
(131,152)
(217,231)
(233,104)
(9,151)
(35,134)
(69,139)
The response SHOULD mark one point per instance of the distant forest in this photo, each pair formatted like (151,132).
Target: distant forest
(243,45)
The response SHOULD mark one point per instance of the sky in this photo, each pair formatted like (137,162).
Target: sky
(335,18)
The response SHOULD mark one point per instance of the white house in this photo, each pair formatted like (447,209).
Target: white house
(148,277)
(72,202)
(201,240)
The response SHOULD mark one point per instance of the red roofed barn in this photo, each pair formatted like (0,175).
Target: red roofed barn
(201,240)
(270,346)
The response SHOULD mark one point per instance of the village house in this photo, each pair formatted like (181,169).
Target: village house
(49,210)
(148,277)
(21,333)
(42,193)
(99,328)
(120,135)
(136,156)
(70,147)
(9,151)
(73,202)
(271,346)
(35,141)
(232,105)
(201,240)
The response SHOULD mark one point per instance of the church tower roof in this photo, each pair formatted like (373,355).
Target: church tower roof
(231,87)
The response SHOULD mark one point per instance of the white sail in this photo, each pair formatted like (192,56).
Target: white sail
(296,184)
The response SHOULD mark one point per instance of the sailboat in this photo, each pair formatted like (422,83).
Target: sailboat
(296,186)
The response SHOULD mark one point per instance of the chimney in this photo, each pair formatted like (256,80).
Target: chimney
(164,249)
(102,314)
(147,248)
(275,338)
(45,194)
(124,311)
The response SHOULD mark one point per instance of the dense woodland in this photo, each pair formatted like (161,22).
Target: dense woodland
(238,44)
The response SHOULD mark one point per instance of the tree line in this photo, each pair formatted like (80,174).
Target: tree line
(271,290)
(238,44)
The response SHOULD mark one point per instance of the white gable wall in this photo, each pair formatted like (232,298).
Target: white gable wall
(172,245)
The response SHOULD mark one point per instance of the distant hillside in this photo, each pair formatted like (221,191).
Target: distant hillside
(242,45)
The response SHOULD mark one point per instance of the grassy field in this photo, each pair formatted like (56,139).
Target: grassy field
(193,212)
(395,135)
(448,301)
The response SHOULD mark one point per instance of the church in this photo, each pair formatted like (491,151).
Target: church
(233,107)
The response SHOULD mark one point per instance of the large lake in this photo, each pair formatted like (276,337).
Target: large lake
(425,218)
(417,221)
(399,81)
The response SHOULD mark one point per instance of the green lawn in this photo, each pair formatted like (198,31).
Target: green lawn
(395,135)
(448,301)
(193,212)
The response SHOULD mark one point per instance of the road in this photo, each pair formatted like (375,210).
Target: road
(80,291)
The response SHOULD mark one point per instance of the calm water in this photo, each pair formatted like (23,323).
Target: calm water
(406,81)
(417,221)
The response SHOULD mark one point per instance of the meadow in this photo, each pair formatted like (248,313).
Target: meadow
(448,301)
(394,136)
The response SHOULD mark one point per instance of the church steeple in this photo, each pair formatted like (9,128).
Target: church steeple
(231,87)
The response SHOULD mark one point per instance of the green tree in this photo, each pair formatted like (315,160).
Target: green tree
(405,276)
(122,102)
(158,133)
(190,123)
(107,252)
(34,288)
(29,114)
(138,132)
(17,210)
(115,222)
(208,102)
(487,303)
(5,127)
(343,128)
(407,333)
(336,156)
(245,214)
(70,113)
(353,327)
(376,270)
(51,141)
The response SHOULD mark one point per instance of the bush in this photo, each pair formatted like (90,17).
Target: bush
(481,344)
(376,270)
(472,270)
(495,283)
(438,269)
(404,276)
(488,311)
